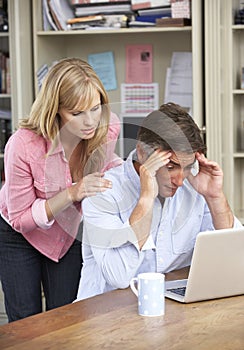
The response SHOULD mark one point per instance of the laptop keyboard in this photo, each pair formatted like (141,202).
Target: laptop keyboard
(180,291)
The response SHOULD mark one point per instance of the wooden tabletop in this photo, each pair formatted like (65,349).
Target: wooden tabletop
(110,321)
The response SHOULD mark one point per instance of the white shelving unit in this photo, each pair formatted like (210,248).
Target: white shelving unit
(224,55)
(54,45)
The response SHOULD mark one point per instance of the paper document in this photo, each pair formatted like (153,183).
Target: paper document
(178,84)
(103,64)
(139,64)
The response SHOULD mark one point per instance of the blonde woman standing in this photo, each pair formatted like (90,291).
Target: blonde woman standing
(52,162)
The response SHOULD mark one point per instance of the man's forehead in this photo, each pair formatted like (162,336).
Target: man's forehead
(183,158)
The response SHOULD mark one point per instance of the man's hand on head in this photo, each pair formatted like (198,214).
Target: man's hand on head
(209,180)
(148,170)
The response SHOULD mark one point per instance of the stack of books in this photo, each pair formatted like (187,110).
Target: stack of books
(147,12)
(180,15)
(100,13)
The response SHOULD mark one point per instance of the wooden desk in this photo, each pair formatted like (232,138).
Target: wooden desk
(110,321)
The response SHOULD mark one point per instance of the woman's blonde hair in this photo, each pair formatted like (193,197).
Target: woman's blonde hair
(69,82)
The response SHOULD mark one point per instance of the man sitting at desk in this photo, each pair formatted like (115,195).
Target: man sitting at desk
(163,195)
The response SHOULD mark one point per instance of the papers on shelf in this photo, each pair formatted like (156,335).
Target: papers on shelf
(139,99)
(98,21)
(56,13)
(48,22)
(181,9)
(178,84)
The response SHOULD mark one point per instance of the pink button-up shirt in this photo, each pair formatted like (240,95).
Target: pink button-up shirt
(31,177)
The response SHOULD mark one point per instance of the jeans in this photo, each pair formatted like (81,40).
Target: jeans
(24,272)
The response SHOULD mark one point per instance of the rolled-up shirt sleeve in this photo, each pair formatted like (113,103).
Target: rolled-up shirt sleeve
(111,241)
(39,214)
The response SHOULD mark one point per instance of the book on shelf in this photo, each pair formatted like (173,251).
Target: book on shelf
(163,11)
(147,15)
(148,18)
(138,24)
(85,2)
(117,7)
(144,4)
(173,22)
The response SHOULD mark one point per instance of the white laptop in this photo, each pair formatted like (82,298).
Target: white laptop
(217,268)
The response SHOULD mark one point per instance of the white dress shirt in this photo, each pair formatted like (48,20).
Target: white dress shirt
(110,251)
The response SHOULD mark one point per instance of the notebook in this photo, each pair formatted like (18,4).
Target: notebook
(217,268)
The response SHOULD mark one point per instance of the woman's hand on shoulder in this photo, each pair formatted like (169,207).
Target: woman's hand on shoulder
(89,186)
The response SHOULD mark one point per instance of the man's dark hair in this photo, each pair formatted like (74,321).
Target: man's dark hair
(171,128)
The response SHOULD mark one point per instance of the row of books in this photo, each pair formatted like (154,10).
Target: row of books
(82,14)
(5,128)
(5,86)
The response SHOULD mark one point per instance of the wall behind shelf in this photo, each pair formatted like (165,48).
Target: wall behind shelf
(164,44)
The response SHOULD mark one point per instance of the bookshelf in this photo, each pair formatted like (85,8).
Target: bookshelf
(54,45)
(224,49)
(16,44)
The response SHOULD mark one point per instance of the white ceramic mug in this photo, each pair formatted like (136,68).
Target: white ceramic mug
(150,293)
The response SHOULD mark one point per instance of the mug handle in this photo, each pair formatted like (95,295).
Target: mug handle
(132,285)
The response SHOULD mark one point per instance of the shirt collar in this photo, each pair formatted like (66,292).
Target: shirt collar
(131,171)
(54,149)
